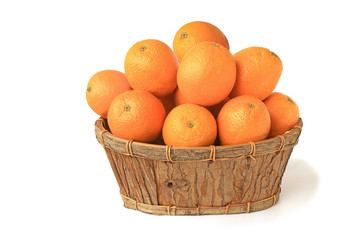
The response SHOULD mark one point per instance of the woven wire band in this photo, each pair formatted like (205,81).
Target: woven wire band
(199,210)
(252,154)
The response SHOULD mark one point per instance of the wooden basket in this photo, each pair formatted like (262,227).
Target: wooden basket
(161,180)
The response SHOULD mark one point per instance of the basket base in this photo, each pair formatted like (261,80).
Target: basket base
(201,210)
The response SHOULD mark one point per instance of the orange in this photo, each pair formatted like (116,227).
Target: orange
(136,115)
(168,102)
(214,109)
(103,87)
(189,125)
(179,98)
(206,74)
(151,65)
(195,32)
(243,119)
(284,113)
(258,72)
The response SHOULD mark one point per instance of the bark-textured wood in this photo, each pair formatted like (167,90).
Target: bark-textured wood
(192,183)
(158,152)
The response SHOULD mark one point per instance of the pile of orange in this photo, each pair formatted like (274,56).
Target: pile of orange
(194,93)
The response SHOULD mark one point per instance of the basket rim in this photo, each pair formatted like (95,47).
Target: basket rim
(287,140)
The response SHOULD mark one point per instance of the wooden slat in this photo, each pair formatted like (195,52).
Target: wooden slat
(158,152)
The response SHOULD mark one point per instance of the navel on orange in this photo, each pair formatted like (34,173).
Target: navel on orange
(284,113)
(103,87)
(189,125)
(151,65)
(136,115)
(243,119)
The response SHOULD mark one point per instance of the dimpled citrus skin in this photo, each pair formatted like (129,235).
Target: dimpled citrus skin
(151,65)
(243,119)
(284,113)
(136,115)
(189,125)
(258,72)
(206,74)
(103,87)
(179,98)
(195,32)
(214,109)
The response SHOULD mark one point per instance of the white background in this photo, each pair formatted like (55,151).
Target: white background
(55,179)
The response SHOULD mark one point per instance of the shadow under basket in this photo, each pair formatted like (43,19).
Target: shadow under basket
(169,180)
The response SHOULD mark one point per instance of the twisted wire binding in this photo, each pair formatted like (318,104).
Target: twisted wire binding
(102,138)
(168,153)
(212,157)
(144,206)
(282,144)
(227,209)
(128,147)
(252,150)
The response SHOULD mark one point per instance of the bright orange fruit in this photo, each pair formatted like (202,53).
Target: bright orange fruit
(243,119)
(195,32)
(103,87)
(136,115)
(258,72)
(284,113)
(152,66)
(189,125)
(214,109)
(206,74)
(179,98)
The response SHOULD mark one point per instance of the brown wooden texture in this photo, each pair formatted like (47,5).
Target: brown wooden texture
(201,210)
(158,152)
(191,180)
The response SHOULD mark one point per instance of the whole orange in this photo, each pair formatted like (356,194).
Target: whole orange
(195,32)
(214,109)
(189,125)
(284,113)
(243,119)
(258,72)
(152,66)
(136,115)
(206,74)
(103,87)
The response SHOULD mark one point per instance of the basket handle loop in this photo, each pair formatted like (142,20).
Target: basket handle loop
(168,153)
(102,138)
(282,144)
(227,209)
(212,153)
(128,147)
(248,207)
(252,150)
